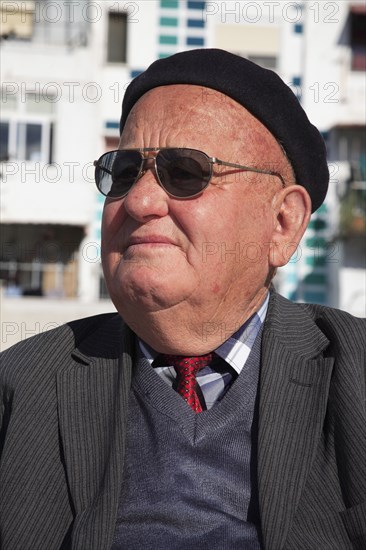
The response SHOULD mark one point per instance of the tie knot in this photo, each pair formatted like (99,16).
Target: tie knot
(184,364)
(186,369)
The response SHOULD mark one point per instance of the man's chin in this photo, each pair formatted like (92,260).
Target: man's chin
(147,294)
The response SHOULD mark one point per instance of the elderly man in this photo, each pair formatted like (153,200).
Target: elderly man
(210,412)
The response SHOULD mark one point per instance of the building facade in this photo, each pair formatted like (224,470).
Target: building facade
(65,66)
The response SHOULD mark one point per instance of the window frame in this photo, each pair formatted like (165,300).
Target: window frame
(124,15)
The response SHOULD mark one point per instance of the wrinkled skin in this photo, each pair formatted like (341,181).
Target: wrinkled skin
(185,274)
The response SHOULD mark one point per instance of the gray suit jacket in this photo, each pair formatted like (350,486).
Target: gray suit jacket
(64,398)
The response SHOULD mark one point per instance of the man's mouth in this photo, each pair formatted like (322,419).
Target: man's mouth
(149,240)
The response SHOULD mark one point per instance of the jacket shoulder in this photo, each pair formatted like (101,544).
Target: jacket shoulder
(44,352)
(309,329)
(341,328)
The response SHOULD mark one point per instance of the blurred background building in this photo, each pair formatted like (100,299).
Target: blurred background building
(64,68)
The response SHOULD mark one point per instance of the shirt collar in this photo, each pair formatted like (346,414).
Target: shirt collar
(236,349)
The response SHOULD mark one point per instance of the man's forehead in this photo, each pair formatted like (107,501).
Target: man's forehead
(189,104)
(196,115)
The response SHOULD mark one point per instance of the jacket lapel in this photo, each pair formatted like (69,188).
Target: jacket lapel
(93,394)
(294,387)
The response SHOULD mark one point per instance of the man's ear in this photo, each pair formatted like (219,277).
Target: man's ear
(292,206)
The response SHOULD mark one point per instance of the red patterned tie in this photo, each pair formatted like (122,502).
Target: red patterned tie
(186,369)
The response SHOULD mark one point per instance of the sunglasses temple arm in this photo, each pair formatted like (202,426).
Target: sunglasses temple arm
(256,170)
(270,173)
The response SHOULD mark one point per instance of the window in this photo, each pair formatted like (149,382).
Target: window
(348,143)
(168,39)
(62,22)
(117,37)
(195,41)
(26,129)
(299,28)
(26,141)
(195,5)
(4,141)
(168,21)
(358,38)
(16,20)
(30,141)
(196,23)
(39,260)
(169,4)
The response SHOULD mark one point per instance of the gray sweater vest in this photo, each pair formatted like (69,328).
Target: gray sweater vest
(190,479)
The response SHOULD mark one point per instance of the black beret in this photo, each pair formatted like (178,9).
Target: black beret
(260,91)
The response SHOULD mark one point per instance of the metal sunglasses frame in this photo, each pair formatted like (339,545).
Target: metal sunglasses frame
(211,162)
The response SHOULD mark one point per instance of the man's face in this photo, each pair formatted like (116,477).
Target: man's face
(205,257)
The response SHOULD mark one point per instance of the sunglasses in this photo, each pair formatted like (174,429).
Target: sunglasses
(182,173)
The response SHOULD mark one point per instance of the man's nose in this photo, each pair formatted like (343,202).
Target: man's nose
(147,199)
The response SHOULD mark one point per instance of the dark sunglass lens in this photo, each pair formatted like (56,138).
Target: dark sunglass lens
(183,172)
(118,172)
